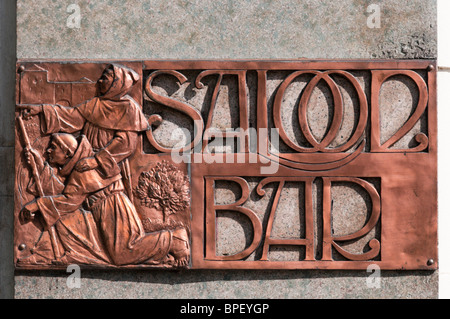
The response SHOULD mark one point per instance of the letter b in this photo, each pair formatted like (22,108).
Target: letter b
(237,207)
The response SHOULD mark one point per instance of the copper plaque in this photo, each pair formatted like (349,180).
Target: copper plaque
(226,164)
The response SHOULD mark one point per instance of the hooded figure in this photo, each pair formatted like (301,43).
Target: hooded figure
(77,233)
(112,231)
(111,121)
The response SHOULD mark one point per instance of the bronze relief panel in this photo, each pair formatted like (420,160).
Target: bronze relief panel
(226,164)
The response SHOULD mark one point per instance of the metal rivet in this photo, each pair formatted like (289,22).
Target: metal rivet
(22,247)
(430,262)
(21,68)
(430,67)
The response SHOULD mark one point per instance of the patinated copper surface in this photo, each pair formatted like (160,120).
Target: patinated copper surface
(109,193)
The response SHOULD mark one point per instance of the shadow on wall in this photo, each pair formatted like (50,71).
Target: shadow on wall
(172,277)
(7,84)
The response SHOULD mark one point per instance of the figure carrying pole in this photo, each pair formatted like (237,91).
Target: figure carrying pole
(37,180)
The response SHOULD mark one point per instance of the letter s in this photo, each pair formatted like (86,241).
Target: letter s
(176,105)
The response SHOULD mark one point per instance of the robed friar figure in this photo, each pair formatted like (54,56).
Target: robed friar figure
(110,124)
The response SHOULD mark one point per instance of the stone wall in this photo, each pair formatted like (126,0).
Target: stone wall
(262,29)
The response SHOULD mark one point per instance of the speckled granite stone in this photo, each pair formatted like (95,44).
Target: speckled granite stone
(227,284)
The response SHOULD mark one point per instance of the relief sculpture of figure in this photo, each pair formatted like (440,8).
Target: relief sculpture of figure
(99,175)
(78,235)
(111,121)
(115,233)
